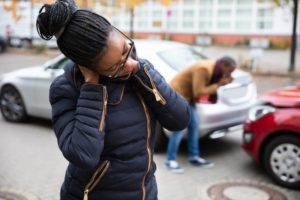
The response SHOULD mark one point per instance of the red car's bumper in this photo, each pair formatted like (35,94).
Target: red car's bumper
(255,133)
(258,132)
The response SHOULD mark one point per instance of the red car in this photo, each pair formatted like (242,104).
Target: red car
(272,135)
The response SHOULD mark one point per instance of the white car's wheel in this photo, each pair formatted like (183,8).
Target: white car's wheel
(12,106)
(282,160)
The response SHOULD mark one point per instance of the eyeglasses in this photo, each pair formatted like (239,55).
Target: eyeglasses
(122,65)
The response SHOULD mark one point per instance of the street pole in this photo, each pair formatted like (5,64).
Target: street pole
(131,22)
(294,38)
(31,23)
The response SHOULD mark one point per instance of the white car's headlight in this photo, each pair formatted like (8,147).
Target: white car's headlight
(259,111)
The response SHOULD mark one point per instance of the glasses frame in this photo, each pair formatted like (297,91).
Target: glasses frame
(122,65)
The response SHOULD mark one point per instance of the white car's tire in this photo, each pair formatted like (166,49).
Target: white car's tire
(12,105)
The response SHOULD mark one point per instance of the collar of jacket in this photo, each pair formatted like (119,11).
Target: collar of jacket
(115,89)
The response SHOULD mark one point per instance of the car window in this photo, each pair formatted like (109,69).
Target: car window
(179,58)
(61,64)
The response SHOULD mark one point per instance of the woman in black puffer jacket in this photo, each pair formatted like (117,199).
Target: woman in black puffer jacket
(105,107)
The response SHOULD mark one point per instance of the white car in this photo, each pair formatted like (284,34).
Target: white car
(25,92)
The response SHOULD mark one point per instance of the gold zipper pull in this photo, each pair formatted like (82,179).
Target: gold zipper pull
(157,96)
(86,193)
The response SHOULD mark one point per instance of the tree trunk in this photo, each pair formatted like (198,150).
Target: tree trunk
(294,39)
(131,22)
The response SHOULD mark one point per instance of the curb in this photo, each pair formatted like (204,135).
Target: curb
(22,51)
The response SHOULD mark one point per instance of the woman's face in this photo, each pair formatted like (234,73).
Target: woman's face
(227,70)
(118,49)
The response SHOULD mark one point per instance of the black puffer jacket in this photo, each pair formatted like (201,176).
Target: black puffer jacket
(106,132)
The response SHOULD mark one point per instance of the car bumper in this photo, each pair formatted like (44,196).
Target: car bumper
(218,117)
(249,134)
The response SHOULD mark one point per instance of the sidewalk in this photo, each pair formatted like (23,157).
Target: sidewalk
(270,62)
(21,51)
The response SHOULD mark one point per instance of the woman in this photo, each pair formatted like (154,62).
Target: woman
(105,107)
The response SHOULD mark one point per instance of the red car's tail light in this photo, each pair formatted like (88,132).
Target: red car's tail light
(203,99)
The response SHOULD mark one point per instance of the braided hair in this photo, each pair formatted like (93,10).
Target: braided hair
(81,34)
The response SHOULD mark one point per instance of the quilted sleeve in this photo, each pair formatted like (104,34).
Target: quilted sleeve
(79,123)
(170,108)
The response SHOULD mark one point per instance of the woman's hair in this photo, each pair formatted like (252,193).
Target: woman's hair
(228,61)
(81,34)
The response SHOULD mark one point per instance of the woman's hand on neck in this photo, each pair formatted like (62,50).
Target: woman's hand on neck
(89,75)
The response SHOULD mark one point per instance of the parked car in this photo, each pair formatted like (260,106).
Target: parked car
(272,135)
(25,92)
(3,44)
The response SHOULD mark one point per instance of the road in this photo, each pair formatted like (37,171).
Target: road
(32,165)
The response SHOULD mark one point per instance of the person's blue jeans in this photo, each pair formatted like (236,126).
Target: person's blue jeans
(193,138)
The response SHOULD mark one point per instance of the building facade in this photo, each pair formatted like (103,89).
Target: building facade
(205,22)
(223,22)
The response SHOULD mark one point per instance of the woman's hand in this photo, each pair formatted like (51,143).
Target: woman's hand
(89,75)
(225,81)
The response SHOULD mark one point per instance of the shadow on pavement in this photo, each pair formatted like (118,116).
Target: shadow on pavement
(40,122)
(212,147)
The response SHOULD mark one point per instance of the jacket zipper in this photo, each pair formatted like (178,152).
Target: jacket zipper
(97,176)
(148,148)
(104,106)
(157,95)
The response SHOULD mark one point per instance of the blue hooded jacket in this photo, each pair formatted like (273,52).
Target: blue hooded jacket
(106,132)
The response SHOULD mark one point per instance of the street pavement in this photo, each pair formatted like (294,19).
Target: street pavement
(32,165)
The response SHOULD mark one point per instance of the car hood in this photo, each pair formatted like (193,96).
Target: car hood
(285,97)
(25,72)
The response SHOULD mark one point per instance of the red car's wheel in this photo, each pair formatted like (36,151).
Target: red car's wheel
(281,159)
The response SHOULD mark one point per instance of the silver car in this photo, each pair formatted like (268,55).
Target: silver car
(25,92)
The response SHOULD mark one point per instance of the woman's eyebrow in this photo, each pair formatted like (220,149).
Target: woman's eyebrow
(124,51)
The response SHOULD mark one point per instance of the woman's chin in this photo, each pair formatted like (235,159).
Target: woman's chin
(125,76)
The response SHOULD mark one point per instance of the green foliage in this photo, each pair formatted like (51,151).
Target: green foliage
(246,41)
(278,2)
(279,44)
(40,48)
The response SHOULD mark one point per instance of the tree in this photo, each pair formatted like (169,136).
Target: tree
(294,7)
(128,4)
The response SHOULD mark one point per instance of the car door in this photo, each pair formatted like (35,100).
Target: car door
(42,86)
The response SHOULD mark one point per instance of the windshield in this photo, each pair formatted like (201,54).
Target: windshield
(61,64)
(181,57)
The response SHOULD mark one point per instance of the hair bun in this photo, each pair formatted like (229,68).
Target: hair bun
(53,18)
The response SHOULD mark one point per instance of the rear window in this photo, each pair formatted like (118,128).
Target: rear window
(181,57)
